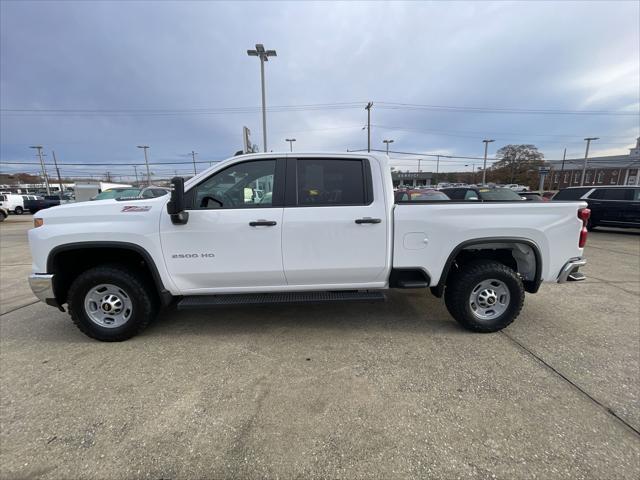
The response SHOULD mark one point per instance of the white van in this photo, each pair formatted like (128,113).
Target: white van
(13,202)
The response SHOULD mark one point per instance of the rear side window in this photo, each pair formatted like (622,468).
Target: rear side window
(330,182)
(456,194)
(612,194)
(571,194)
(3,198)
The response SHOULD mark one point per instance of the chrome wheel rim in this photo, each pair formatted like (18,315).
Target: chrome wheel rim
(108,305)
(489,299)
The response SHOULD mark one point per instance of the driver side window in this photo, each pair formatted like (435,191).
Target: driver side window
(244,185)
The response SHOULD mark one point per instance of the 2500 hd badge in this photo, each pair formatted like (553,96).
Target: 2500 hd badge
(193,255)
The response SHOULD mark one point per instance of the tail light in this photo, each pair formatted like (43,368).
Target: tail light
(583,214)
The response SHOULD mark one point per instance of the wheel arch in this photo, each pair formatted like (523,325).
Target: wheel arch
(90,254)
(493,244)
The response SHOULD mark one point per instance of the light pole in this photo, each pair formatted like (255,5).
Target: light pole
(290,140)
(44,170)
(586,155)
(146,162)
(473,170)
(484,166)
(264,57)
(387,142)
(135,169)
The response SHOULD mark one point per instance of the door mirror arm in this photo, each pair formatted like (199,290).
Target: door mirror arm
(175,207)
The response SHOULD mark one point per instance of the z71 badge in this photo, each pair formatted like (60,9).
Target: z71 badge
(136,208)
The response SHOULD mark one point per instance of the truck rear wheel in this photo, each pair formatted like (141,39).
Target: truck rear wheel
(18,210)
(111,303)
(484,296)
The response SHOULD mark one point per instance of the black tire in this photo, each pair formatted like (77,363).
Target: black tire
(18,210)
(460,287)
(142,297)
(2,216)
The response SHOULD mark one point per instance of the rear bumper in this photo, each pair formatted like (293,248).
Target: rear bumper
(570,271)
(42,287)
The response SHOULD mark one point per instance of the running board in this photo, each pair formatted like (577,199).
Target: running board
(206,301)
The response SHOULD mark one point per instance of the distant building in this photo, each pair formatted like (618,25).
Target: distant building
(411,179)
(610,170)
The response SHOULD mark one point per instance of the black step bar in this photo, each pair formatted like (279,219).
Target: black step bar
(207,301)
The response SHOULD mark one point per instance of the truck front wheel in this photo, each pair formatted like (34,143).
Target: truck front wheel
(111,303)
(484,296)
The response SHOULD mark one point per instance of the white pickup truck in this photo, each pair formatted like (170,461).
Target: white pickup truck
(277,228)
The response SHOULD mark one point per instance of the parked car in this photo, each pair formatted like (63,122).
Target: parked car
(130,192)
(484,194)
(330,231)
(548,195)
(533,197)
(420,195)
(13,202)
(517,188)
(4,213)
(35,204)
(615,206)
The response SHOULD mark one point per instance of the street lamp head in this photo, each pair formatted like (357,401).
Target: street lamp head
(260,47)
(252,53)
(488,140)
(387,141)
(289,139)
(36,146)
(592,138)
(143,146)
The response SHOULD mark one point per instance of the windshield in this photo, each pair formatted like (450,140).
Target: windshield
(503,194)
(118,193)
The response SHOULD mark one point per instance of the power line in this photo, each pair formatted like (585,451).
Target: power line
(507,110)
(305,107)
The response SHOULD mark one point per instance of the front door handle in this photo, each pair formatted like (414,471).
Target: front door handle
(368,220)
(262,223)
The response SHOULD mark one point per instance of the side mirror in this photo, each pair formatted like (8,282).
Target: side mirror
(175,207)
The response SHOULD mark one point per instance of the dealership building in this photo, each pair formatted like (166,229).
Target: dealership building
(411,179)
(610,170)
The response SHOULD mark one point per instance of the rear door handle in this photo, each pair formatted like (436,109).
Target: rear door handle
(368,220)
(262,223)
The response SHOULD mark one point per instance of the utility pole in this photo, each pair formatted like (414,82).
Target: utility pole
(387,142)
(55,162)
(146,161)
(564,157)
(290,140)
(586,155)
(108,177)
(264,57)
(135,169)
(484,166)
(193,156)
(368,109)
(437,169)
(419,161)
(44,169)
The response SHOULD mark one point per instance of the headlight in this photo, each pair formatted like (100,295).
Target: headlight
(38,222)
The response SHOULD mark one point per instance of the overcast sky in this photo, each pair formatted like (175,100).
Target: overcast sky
(159,73)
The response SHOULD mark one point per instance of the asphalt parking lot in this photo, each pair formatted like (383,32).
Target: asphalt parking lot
(393,390)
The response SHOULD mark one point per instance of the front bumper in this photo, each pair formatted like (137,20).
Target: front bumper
(42,286)
(570,273)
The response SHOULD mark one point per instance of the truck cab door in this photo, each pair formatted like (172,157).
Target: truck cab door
(335,225)
(233,238)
